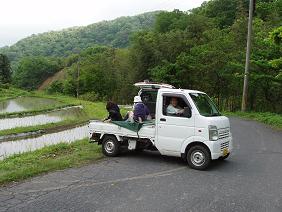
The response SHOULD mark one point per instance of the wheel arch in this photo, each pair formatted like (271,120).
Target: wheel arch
(103,135)
(194,143)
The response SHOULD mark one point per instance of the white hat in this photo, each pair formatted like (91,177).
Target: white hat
(137,99)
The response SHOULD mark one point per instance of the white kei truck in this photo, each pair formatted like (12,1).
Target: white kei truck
(199,134)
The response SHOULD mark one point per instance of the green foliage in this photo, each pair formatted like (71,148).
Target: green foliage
(202,49)
(9,92)
(223,12)
(272,119)
(276,35)
(32,71)
(104,73)
(89,96)
(55,87)
(207,52)
(51,158)
(5,69)
(114,33)
(167,21)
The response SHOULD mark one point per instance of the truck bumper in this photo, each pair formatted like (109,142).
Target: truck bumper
(221,147)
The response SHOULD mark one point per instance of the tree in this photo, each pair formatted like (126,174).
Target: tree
(64,42)
(5,69)
(276,35)
(105,73)
(32,71)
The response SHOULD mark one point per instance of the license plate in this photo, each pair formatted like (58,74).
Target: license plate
(225,152)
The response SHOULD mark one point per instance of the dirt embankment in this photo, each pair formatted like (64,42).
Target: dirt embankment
(58,76)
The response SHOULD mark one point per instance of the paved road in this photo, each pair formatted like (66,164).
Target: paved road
(250,180)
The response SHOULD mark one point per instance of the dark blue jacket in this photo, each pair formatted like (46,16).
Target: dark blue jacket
(140,110)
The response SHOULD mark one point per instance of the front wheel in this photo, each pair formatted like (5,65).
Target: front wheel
(198,157)
(110,146)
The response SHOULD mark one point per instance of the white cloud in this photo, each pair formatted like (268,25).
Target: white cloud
(20,18)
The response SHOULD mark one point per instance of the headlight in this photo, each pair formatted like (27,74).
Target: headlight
(213,133)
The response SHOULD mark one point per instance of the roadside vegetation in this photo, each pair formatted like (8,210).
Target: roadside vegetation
(272,119)
(51,158)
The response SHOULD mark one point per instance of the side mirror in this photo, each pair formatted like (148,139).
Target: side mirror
(187,112)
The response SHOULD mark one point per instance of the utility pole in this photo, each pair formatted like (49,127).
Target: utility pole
(248,52)
(78,73)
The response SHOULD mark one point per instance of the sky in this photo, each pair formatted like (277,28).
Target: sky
(21,18)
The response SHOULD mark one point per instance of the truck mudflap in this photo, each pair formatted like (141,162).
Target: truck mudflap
(94,137)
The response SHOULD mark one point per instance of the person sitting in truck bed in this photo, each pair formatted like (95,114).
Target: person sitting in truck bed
(114,112)
(140,111)
(173,109)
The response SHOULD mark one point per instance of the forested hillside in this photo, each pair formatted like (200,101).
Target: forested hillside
(114,33)
(202,49)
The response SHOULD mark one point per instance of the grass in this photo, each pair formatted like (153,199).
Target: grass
(272,119)
(11,93)
(93,110)
(45,127)
(51,158)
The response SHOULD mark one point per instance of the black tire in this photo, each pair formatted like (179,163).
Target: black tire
(139,149)
(198,157)
(224,157)
(110,146)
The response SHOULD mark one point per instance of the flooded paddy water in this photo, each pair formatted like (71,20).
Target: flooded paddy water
(50,117)
(26,103)
(14,145)
(30,144)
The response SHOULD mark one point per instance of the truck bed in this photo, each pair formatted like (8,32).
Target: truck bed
(146,131)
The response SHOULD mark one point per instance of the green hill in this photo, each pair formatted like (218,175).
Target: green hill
(114,33)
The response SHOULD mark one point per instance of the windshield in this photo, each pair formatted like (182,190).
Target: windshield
(204,104)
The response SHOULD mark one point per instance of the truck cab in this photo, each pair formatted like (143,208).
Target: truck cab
(199,125)
(186,124)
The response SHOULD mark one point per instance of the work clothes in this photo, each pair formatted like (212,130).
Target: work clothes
(140,110)
(172,111)
(114,113)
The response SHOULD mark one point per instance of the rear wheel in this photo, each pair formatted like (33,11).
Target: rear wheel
(198,157)
(110,146)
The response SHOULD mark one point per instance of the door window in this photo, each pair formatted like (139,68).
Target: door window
(174,105)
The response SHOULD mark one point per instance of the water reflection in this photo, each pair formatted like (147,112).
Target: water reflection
(67,136)
(51,117)
(26,103)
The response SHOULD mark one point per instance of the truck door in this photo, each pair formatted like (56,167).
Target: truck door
(173,125)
